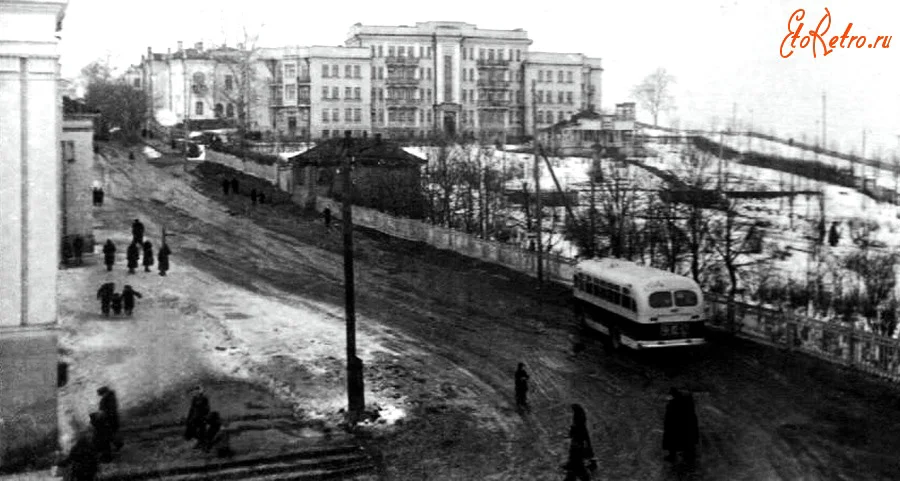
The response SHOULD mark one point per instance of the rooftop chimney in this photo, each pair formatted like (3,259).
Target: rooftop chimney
(180,45)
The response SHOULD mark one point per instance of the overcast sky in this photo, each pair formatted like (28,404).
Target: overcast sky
(721,52)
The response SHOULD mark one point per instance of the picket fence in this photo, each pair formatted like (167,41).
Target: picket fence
(831,341)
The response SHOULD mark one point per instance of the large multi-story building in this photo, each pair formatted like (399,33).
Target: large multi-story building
(316,92)
(400,81)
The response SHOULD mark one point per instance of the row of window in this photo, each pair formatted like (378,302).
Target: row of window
(402,116)
(334,115)
(402,51)
(350,93)
(546,97)
(334,71)
(491,117)
(220,110)
(417,73)
(468,53)
(681,298)
(546,117)
(607,291)
(199,79)
(561,76)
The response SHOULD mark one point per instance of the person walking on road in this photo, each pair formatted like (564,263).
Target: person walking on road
(521,387)
(109,254)
(128,296)
(327,215)
(580,449)
(253,196)
(133,255)
(137,232)
(109,409)
(680,432)
(82,463)
(105,294)
(116,302)
(225,186)
(195,426)
(163,258)
(234,186)
(148,256)
(833,235)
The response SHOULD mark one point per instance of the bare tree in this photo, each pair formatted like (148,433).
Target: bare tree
(654,93)
(241,64)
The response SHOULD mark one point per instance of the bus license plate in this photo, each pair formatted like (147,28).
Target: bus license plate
(673,330)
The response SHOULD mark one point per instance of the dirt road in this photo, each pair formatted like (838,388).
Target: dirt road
(446,333)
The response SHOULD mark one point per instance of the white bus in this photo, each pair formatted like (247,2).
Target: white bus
(638,306)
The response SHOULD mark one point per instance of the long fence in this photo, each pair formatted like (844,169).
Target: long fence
(831,341)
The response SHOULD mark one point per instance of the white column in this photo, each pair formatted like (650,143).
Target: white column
(457,74)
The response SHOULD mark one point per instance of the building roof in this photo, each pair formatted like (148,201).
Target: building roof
(366,151)
(441,29)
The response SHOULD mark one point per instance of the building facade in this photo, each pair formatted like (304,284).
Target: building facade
(78,176)
(588,130)
(559,85)
(30,132)
(316,92)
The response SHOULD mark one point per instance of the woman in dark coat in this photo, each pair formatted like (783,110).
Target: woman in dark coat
(137,231)
(580,448)
(105,294)
(680,432)
(148,256)
(116,302)
(109,254)
(133,255)
(128,295)
(521,387)
(163,258)
(82,462)
(196,419)
(109,409)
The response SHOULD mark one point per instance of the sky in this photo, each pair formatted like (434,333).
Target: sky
(725,55)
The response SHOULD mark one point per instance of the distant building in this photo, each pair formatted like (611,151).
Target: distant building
(78,175)
(588,130)
(30,229)
(558,85)
(384,176)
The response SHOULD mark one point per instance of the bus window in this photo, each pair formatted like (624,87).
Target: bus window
(626,302)
(685,298)
(661,299)
(614,297)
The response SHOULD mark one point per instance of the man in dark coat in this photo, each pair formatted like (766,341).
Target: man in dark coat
(102,436)
(833,235)
(100,194)
(253,196)
(109,254)
(580,448)
(148,256)
(96,196)
(216,436)
(163,258)
(78,249)
(137,232)
(116,302)
(195,427)
(234,186)
(327,214)
(82,463)
(262,197)
(109,409)
(680,433)
(128,295)
(521,387)
(225,186)
(133,254)
(105,294)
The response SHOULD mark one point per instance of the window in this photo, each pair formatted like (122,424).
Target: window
(348,92)
(335,115)
(569,77)
(229,82)
(429,73)
(540,75)
(199,78)
(569,97)
(561,97)
(137,83)
(511,54)
(559,77)
(401,52)
(464,96)
(348,71)
(518,55)
(373,72)
(335,71)
(290,93)
(68,150)
(357,115)
(348,115)
(324,93)
(390,51)
(357,71)
(325,133)
(661,299)
(373,50)
(198,108)
(540,96)
(540,117)
(421,51)
(335,93)
(229,111)
(380,51)
(325,71)
(219,109)
(292,123)
(290,70)
(325,117)
(549,97)
(357,93)
(464,50)
(380,73)
(686,298)
(560,117)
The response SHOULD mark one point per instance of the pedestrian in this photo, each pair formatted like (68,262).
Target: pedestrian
(163,258)
(133,255)
(101,195)
(195,425)
(521,387)
(680,432)
(137,231)
(105,294)
(95,191)
(234,186)
(109,408)
(82,462)
(216,437)
(109,254)
(225,186)
(128,295)
(66,250)
(253,196)
(833,235)
(262,197)
(102,439)
(148,256)
(580,449)
(78,249)
(116,303)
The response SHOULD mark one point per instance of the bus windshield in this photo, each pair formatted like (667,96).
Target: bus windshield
(660,299)
(685,298)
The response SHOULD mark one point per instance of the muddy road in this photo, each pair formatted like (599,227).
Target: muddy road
(462,326)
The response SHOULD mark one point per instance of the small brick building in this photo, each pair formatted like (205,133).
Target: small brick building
(384,176)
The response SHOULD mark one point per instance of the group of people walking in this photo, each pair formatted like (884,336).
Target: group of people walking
(680,429)
(110,300)
(232,186)
(133,254)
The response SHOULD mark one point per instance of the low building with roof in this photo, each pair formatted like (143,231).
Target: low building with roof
(589,130)
(384,175)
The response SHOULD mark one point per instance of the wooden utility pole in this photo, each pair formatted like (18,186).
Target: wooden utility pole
(355,383)
(537,190)
(593,209)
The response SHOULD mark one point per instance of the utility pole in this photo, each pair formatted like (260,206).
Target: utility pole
(537,190)
(593,208)
(355,382)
